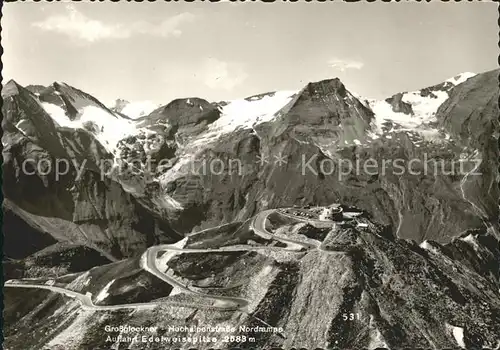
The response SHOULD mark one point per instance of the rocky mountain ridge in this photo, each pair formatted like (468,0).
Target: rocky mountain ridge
(336,284)
(215,213)
(314,133)
(76,205)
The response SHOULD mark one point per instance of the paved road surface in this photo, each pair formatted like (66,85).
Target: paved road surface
(148,263)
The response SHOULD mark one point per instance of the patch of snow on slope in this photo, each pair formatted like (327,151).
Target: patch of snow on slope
(462,77)
(427,246)
(424,108)
(103,294)
(20,126)
(458,334)
(136,110)
(236,114)
(57,114)
(376,338)
(246,114)
(472,240)
(109,129)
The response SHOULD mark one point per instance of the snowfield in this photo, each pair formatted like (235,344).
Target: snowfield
(247,113)
(462,77)
(105,126)
(103,294)
(136,110)
(109,127)
(424,109)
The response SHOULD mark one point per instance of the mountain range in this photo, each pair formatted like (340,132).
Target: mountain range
(225,191)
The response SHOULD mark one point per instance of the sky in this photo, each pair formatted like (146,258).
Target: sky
(221,51)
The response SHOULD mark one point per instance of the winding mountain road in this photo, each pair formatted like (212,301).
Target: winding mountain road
(85,300)
(149,263)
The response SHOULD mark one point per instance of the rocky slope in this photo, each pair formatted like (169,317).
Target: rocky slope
(359,288)
(86,185)
(53,183)
(192,164)
(310,146)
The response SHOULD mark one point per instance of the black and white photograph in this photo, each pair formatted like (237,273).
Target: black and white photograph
(250,175)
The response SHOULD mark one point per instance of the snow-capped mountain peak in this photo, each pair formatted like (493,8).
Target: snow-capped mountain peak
(135,109)
(246,113)
(72,108)
(415,110)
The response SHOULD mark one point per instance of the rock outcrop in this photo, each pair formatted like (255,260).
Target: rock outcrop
(53,181)
(357,286)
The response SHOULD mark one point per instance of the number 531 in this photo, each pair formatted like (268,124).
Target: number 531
(351,316)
